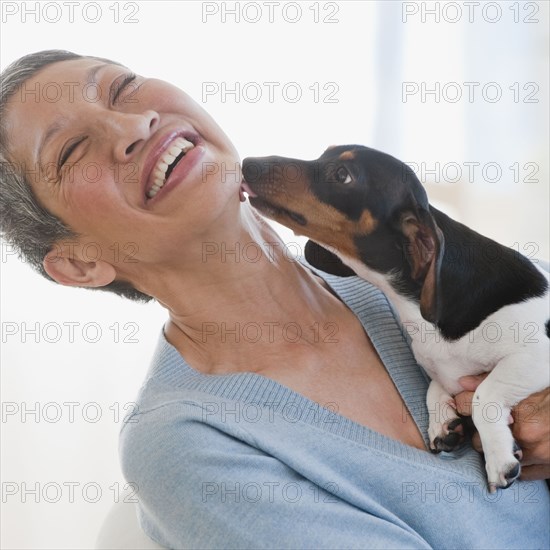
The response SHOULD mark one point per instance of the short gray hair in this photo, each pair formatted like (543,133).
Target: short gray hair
(24,222)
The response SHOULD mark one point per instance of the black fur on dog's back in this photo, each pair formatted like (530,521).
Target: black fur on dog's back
(478,276)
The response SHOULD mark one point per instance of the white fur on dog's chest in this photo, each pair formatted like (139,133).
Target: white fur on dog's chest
(514,329)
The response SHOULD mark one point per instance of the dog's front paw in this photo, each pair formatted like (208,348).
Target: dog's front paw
(503,470)
(447,436)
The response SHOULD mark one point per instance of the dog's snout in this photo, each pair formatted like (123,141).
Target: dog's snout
(252,169)
(278,170)
(259,169)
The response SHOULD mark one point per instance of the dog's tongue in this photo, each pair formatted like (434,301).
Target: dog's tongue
(245,189)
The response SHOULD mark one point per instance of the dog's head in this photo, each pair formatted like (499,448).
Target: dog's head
(359,203)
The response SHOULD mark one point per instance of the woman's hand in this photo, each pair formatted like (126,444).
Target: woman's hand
(530,424)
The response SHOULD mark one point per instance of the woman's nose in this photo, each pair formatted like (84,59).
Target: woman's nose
(131,133)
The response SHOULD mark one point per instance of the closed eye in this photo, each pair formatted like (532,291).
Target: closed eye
(67,151)
(119,85)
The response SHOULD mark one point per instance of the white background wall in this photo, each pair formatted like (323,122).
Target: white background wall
(363,50)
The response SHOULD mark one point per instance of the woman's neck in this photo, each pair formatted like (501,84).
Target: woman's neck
(236,305)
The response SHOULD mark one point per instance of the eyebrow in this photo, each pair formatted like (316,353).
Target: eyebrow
(57,126)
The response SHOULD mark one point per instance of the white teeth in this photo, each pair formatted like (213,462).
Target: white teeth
(178,146)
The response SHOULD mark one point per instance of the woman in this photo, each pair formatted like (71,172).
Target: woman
(269,417)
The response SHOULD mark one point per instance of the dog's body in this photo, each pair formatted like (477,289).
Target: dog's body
(469,304)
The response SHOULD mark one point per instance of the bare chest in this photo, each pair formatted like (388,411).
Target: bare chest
(351,381)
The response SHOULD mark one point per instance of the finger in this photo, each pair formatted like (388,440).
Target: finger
(476,443)
(470,383)
(536,471)
(534,454)
(463,401)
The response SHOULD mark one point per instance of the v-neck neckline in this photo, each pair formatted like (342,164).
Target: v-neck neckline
(377,317)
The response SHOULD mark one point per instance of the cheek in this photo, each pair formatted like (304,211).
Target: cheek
(168,98)
(91,199)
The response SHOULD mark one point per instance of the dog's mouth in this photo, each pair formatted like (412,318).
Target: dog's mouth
(276,212)
(270,209)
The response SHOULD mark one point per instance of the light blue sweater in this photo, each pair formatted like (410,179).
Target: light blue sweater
(241,461)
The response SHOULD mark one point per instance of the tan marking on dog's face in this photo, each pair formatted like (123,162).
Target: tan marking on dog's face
(325,223)
(290,187)
(347,155)
(330,226)
(366,224)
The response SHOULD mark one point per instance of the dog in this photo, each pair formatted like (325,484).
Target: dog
(469,304)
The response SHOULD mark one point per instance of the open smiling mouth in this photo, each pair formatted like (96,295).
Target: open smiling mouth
(166,163)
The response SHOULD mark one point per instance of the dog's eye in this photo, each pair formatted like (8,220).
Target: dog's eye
(342,175)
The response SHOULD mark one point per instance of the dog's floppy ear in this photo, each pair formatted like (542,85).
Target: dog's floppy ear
(423,248)
(321,258)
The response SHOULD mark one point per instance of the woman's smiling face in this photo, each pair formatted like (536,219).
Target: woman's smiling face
(111,133)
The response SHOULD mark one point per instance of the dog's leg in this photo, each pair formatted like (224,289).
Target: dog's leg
(445,429)
(514,378)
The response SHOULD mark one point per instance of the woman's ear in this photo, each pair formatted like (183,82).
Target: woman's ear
(71,271)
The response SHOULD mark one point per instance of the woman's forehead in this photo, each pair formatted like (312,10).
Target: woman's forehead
(44,84)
